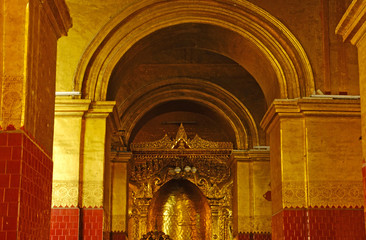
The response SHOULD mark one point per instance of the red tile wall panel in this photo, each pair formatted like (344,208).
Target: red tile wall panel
(336,223)
(25,187)
(277,226)
(254,236)
(65,223)
(92,223)
(319,224)
(118,236)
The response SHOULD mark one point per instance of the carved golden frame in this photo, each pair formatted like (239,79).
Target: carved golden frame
(154,164)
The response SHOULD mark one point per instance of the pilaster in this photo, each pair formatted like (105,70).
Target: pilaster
(66,151)
(119,162)
(65,214)
(352,27)
(92,170)
(315,152)
(251,209)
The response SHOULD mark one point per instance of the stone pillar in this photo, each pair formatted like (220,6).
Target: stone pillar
(252,211)
(352,27)
(119,194)
(92,169)
(315,178)
(65,211)
(28,45)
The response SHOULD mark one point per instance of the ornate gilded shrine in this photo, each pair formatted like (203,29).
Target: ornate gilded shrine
(182,187)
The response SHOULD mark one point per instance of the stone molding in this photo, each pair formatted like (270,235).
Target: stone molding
(100,109)
(352,26)
(298,108)
(58,15)
(71,107)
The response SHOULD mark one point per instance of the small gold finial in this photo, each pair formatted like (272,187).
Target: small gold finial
(181,134)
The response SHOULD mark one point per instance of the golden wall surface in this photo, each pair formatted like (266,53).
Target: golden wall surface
(93,153)
(119,197)
(79,153)
(313,23)
(29,34)
(252,212)
(66,151)
(88,18)
(319,159)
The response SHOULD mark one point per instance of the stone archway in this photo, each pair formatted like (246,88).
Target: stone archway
(289,73)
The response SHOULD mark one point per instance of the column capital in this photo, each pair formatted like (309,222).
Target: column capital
(71,107)
(310,106)
(100,109)
(352,26)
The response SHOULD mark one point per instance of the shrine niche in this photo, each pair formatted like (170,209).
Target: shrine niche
(182,187)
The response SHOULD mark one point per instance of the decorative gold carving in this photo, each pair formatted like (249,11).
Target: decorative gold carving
(155,235)
(12,102)
(323,193)
(118,223)
(294,194)
(199,143)
(164,143)
(205,166)
(204,170)
(181,141)
(92,194)
(65,193)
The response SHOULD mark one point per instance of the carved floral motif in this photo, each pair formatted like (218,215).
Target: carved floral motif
(92,193)
(321,193)
(65,193)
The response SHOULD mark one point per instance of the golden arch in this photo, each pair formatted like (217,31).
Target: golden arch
(292,73)
(211,95)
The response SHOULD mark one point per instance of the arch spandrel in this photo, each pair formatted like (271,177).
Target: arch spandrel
(273,40)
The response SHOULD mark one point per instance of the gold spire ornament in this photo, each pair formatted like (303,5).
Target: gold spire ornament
(181,141)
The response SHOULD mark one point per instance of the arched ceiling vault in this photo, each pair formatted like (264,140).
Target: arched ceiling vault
(288,73)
